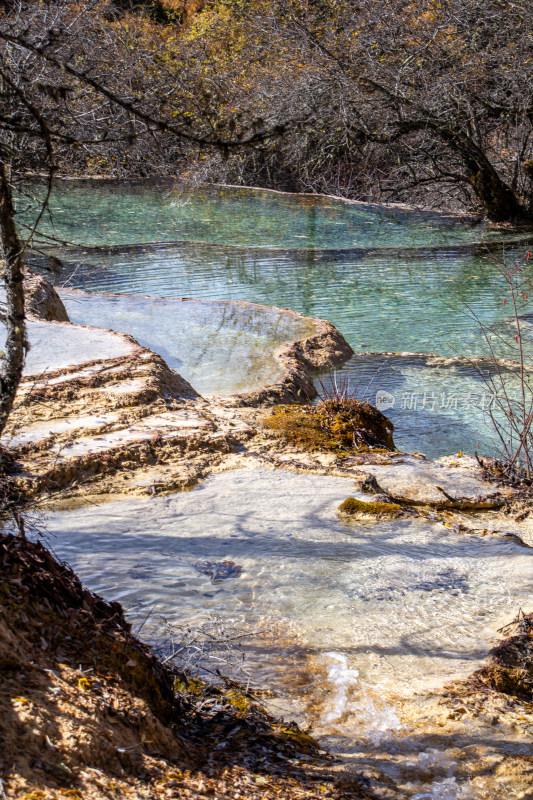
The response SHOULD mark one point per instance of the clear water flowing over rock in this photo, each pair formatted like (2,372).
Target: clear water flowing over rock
(375,610)
(221,347)
(391,280)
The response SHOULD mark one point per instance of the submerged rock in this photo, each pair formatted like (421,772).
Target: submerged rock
(258,354)
(447,483)
(219,570)
(449,581)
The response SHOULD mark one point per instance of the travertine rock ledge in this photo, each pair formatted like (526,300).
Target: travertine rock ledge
(327,348)
(97,409)
(41,299)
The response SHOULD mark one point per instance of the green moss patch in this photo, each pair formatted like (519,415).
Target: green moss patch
(351,507)
(338,426)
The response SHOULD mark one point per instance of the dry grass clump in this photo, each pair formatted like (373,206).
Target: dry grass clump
(510,670)
(335,425)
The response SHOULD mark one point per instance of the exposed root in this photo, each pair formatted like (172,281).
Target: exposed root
(487,501)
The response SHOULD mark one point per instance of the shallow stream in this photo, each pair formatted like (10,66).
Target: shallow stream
(406,601)
(344,620)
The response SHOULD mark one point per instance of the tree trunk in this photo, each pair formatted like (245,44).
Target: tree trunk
(11,256)
(501,204)
(498,199)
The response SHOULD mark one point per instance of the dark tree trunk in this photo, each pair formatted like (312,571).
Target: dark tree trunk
(498,199)
(11,256)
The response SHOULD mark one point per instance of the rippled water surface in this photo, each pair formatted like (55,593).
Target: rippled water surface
(404,603)
(438,406)
(390,280)
(111,213)
(395,302)
(219,347)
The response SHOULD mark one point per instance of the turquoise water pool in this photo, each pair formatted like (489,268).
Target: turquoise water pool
(111,213)
(391,280)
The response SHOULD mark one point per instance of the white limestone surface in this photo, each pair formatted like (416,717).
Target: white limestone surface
(58,345)
(418,480)
(166,425)
(46,428)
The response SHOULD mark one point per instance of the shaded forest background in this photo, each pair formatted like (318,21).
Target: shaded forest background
(421,102)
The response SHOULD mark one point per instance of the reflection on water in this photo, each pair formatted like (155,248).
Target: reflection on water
(398,604)
(135,214)
(380,303)
(219,348)
(438,406)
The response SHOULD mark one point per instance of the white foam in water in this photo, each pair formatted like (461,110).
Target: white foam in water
(437,759)
(342,678)
(448,789)
(350,706)
(378,721)
(445,787)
